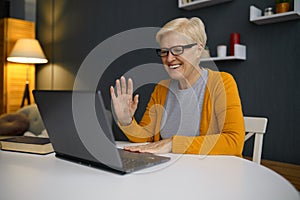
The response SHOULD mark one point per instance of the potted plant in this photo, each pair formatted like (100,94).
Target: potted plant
(282,6)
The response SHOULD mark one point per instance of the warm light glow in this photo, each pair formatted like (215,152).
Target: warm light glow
(27,60)
(27,51)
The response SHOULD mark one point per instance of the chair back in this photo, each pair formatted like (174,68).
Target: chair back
(256,126)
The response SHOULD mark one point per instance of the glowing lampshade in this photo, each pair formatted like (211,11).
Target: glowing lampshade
(27,51)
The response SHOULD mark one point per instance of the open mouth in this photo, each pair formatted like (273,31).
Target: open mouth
(174,66)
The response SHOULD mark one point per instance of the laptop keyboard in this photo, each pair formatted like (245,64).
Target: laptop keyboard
(131,163)
(134,160)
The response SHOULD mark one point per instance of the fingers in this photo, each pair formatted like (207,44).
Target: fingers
(130,87)
(146,148)
(132,148)
(135,101)
(138,148)
(122,87)
(162,146)
(112,93)
(118,86)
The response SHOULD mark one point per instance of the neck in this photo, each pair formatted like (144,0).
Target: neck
(188,82)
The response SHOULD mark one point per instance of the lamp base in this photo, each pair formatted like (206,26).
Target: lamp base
(26,95)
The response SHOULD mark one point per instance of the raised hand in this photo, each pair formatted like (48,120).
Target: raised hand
(124,103)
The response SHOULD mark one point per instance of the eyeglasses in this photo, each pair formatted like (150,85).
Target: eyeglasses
(175,51)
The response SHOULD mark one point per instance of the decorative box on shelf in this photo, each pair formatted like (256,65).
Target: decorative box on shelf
(257,17)
(194,4)
(239,54)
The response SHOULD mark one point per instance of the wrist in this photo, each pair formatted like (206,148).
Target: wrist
(126,122)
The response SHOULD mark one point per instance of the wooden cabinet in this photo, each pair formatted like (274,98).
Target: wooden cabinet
(13,75)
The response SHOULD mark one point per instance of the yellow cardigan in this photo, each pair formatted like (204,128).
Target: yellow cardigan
(221,126)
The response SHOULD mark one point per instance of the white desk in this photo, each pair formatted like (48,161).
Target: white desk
(188,177)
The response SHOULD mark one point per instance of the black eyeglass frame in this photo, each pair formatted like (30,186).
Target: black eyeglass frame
(167,50)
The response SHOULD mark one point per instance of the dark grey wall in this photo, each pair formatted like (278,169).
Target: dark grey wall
(267,80)
(12,8)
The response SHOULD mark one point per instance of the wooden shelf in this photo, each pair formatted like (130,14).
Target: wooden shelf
(257,18)
(239,54)
(199,3)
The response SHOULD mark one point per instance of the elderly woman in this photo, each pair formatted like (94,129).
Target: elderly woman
(196,111)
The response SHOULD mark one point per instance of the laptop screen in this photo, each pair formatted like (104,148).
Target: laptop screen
(78,137)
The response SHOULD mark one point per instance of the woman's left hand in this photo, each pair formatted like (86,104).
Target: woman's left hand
(162,146)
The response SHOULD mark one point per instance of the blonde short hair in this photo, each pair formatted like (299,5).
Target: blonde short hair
(192,28)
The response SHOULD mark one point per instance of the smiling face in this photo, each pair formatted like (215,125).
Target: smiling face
(184,67)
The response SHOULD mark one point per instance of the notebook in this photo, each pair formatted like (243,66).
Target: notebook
(80,131)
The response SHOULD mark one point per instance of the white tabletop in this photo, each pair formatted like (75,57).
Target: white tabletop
(35,177)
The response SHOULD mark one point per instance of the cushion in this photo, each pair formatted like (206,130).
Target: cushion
(13,124)
(36,124)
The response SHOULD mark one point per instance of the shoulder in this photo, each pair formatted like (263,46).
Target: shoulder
(163,85)
(220,82)
(224,77)
(216,74)
(221,85)
(160,92)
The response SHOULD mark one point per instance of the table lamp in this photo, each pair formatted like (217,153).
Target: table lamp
(27,51)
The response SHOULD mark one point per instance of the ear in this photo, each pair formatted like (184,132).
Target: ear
(200,49)
(200,46)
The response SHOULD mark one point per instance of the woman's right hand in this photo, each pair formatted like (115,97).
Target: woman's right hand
(124,103)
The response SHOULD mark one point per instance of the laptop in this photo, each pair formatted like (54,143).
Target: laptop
(83,133)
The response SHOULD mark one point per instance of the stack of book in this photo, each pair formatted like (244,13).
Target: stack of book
(27,144)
